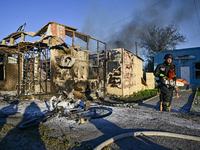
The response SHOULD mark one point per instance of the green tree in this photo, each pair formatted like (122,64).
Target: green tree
(159,39)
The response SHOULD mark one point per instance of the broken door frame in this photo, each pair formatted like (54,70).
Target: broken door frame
(26,60)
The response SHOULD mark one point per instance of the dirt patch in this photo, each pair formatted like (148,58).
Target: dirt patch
(39,137)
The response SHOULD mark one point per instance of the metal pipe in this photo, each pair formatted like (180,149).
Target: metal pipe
(136,48)
(73,39)
(19,69)
(27,68)
(98,63)
(105,72)
(33,70)
(40,65)
(46,70)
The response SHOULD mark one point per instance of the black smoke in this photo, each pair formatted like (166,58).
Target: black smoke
(161,15)
(155,12)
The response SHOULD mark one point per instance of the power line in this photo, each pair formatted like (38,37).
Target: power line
(197,12)
(132,15)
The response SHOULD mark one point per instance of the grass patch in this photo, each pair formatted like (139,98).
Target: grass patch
(5,128)
(138,96)
(38,137)
(198,93)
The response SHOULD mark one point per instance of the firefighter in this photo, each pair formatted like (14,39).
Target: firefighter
(164,72)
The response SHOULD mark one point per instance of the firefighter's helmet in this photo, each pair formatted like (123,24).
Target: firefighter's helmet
(168,56)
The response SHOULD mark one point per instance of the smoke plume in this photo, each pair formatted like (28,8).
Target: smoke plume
(155,12)
(160,15)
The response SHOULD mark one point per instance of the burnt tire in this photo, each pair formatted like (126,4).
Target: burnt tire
(48,117)
(30,123)
(36,121)
(96,113)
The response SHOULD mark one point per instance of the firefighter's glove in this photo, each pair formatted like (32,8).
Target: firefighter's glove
(163,76)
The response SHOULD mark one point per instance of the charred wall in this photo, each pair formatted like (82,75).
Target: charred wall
(128,70)
(114,68)
(124,71)
(70,70)
(10,72)
(49,65)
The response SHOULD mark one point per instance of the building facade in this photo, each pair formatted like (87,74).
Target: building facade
(51,65)
(125,74)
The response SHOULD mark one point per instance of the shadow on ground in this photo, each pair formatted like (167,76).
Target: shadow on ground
(14,138)
(106,126)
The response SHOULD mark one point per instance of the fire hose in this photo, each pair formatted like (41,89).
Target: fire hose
(146,133)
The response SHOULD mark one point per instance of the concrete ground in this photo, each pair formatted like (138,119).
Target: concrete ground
(178,116)
(177,121)
(180,105)
(143,117)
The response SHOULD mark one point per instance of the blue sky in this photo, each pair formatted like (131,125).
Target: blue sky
(106,20)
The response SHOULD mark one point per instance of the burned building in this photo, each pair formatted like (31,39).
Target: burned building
(8,69)
(50,65)
(124,73)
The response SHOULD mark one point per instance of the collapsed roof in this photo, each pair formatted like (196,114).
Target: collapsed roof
(50,31)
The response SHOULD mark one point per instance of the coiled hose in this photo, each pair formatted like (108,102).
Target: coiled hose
(146,133)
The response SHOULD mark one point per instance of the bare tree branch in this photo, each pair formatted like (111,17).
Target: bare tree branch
(160,39)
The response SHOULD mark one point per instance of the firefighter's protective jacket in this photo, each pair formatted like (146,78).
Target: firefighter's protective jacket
(163,69)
